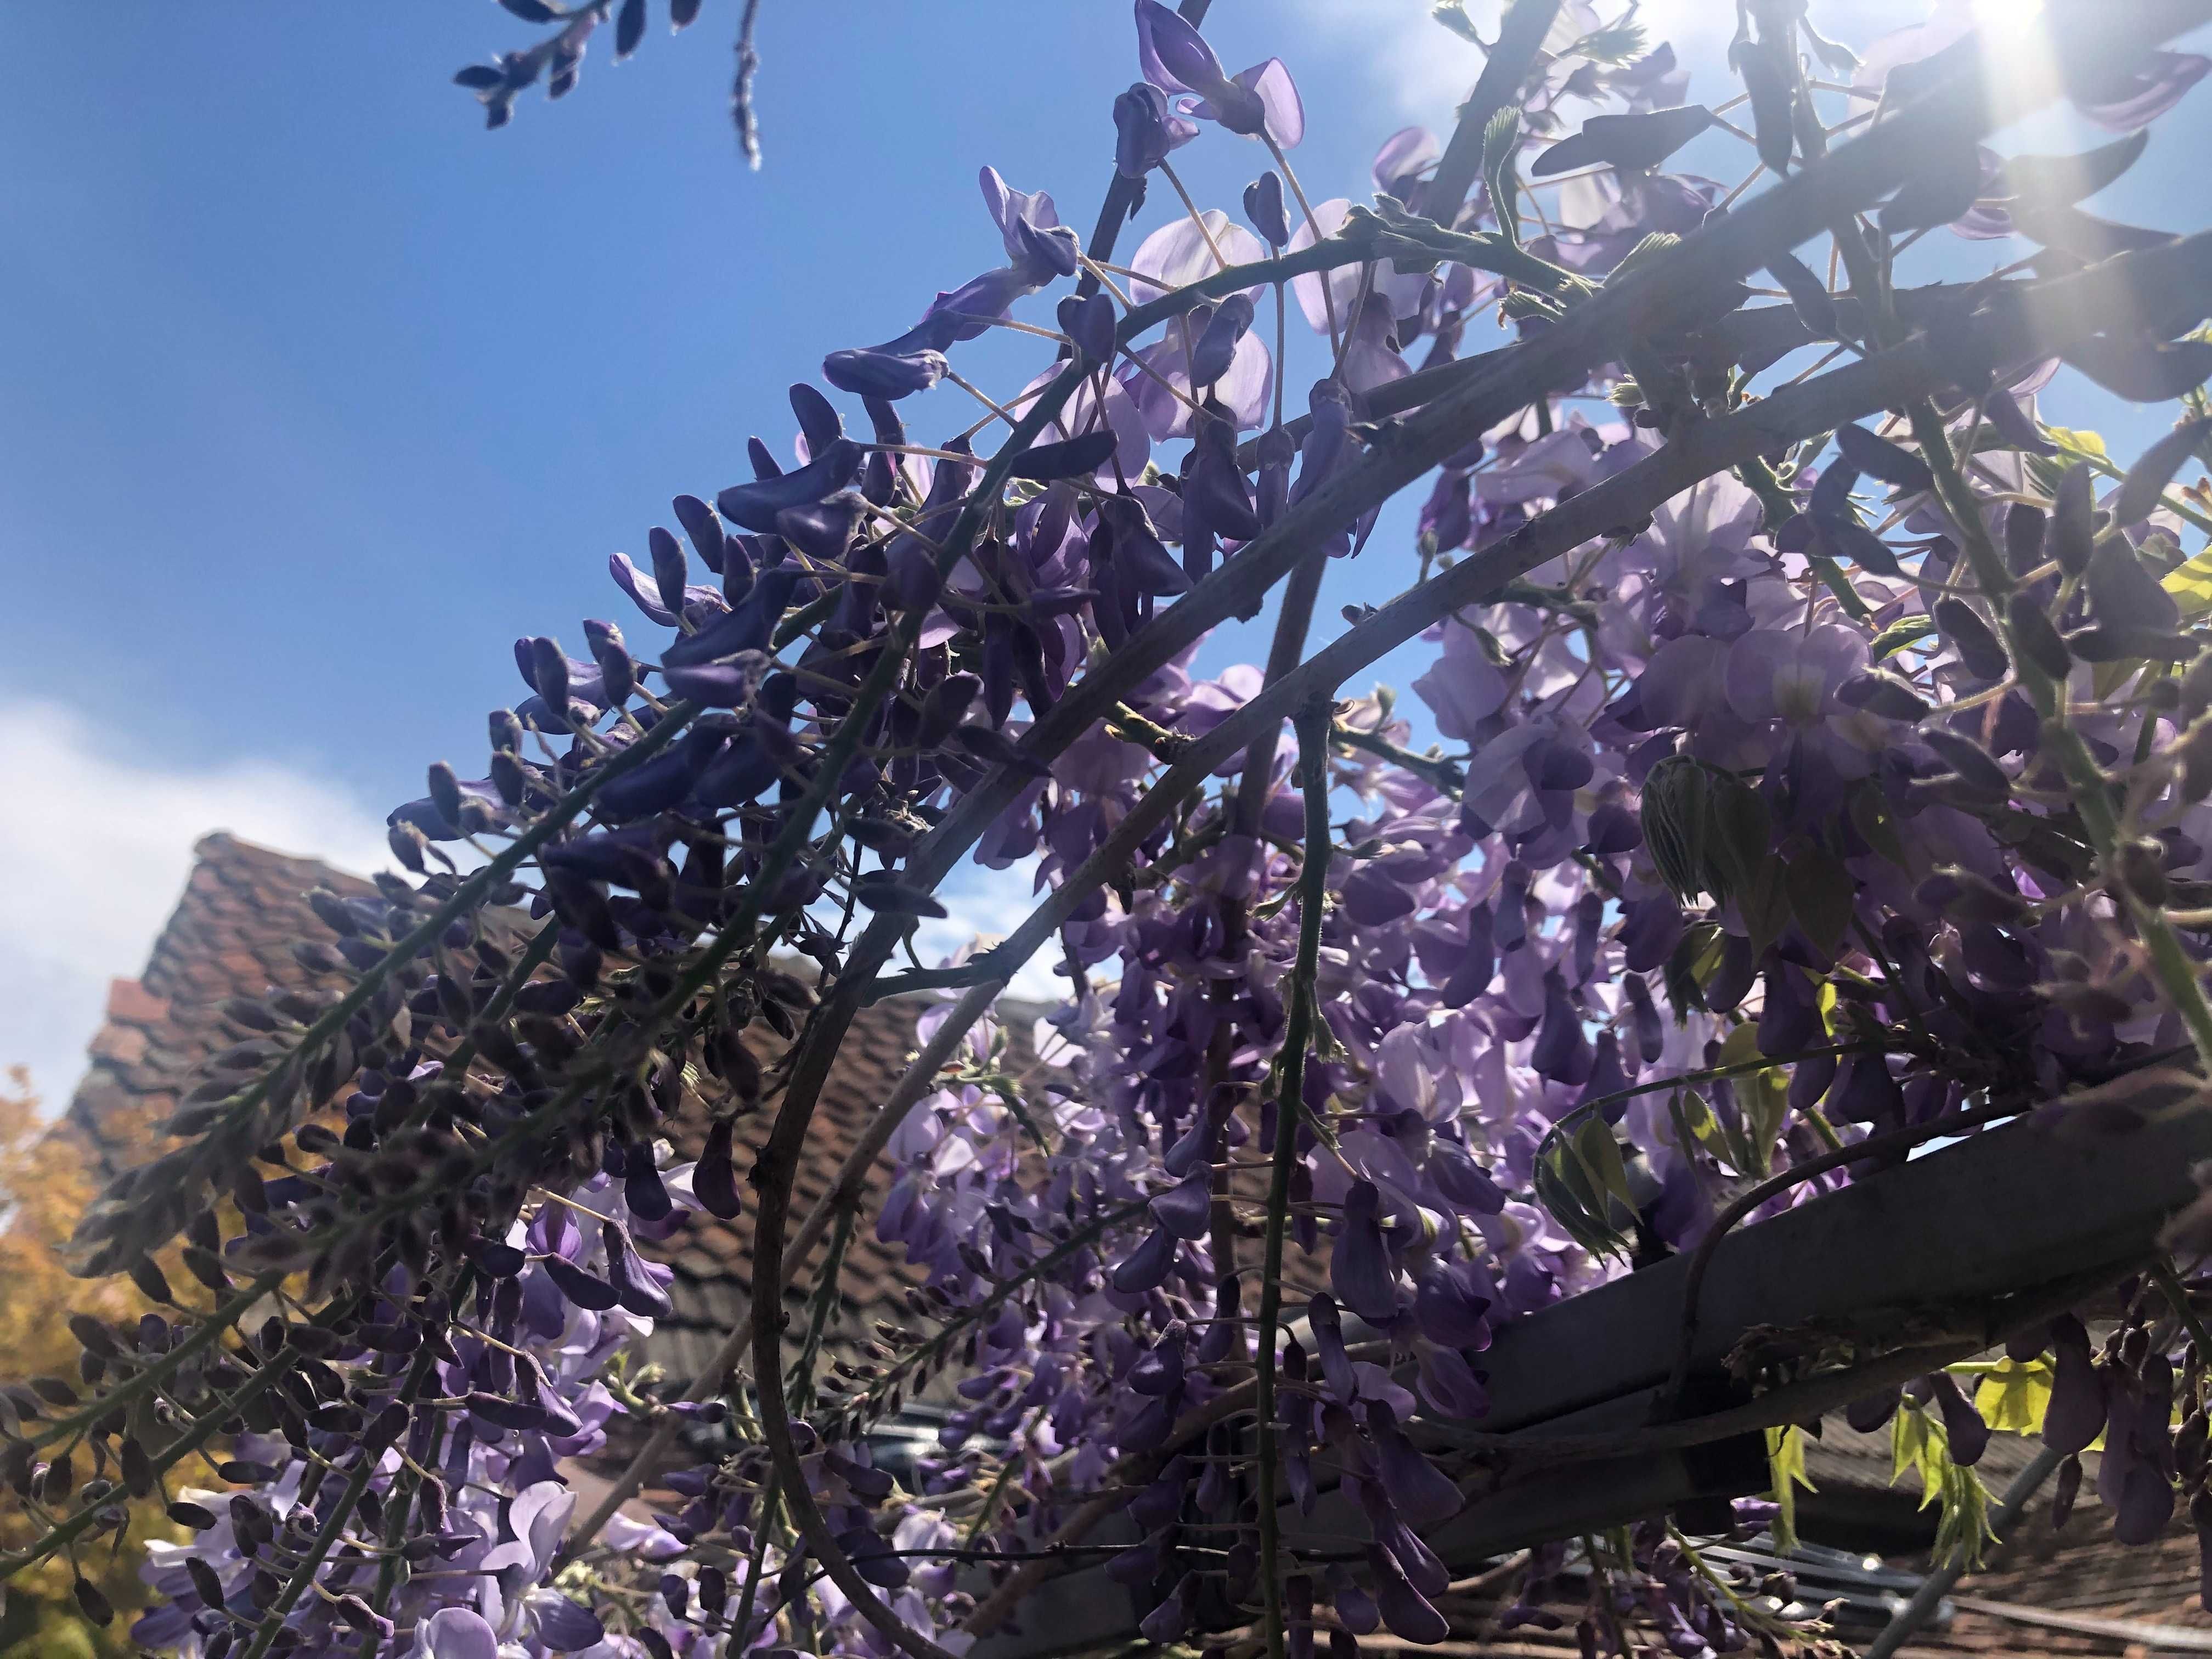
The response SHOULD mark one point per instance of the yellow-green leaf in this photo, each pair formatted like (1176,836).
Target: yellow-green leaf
(2107,678)
(1600,1155)
(2191,584)
(2073,442)
(1870,816)
(1898,634)
(1785,1463)
(2013,1394)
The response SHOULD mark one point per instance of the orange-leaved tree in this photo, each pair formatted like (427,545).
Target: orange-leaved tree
(45,1181)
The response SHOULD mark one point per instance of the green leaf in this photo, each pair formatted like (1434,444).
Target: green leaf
(2044,842)
(1564,1188)
(1452,13)
(1739,836)
(1600,1155)
(1765,1096)
(1821,894)
(1619,44)
(1870,816)
(2142,490)
(1501,140)
(2191,585)
(1675,809)
(1004,1088)
(1654,245)
(2012,1396)
(1761,1099)
(2106,679)
(1918,1442)
(1785,1463)
(2073,442)
(2043,471)
(1908,1448)
(1898,634)
(1693,1120)
(1764,904)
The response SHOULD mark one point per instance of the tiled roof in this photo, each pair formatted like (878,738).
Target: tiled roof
(242,909)
(2042,1593)
(2077,1573)
(231,935)
(713,1258)
(1841,1455)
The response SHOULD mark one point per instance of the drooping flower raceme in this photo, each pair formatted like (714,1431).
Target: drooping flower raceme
(1846,779)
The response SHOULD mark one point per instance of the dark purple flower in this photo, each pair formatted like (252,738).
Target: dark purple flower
(1090,323)
(2132,99)
(754,505)
(1263,206)
(1214,490)
(1462,1180)
(1355,1607)
(1175,56)
(2075,1413)
(1146,130)
(1405,1610)
(1448,1305)
(1184,1209)
(1329,1342)
(1359,1269)
(1448,1385)
(1146,1268)
(1963,1424)
(872,371)
(1159,1369)
(1562,1050)
(1217,343)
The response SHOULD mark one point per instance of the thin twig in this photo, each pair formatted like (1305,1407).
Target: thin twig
(1313,722)
(741,89)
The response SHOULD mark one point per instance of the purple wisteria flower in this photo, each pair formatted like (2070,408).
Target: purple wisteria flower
(1175,57)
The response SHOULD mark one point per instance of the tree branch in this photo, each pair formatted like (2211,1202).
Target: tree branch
(1521,34)
(1290,1117)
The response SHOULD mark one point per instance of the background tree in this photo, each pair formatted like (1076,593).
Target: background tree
(44,1184)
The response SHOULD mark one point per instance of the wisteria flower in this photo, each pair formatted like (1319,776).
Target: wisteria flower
(1175,57)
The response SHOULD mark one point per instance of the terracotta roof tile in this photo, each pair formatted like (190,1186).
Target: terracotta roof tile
(231,934)
(243,906)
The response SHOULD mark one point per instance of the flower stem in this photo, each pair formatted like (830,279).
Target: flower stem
(1196,218)
(1313,724)
(341,1511)
(2170,964)
(1327,300)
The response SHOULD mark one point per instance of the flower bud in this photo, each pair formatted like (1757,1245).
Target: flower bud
(1263,206)
(1972,638)
(2033,630)
(2139,866)
(1146,130)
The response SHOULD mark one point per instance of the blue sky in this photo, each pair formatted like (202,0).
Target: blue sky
(319,395)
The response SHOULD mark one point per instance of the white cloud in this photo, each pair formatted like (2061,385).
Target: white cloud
(987,905)
(96,843)
(1422,66)
(1426,71)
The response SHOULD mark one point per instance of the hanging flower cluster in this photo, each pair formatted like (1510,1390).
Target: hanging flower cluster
(1822,768)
